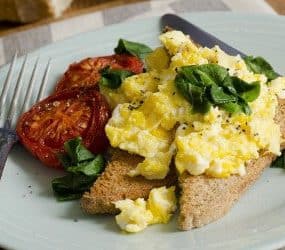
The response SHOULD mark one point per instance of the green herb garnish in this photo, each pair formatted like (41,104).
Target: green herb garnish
(71,186)
(211,85)
(136,49)
(83,168)
(113,78)
(279,162)
(260,66)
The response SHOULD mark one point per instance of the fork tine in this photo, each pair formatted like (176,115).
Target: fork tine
(30,87)
(11,113)
(44,81)
(3,96)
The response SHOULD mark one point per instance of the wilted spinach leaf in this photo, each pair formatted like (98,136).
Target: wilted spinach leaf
(76,151)
(219,96)
(136,49)
(83,168)
(89,168)
(210,84)
(71,186)
(248,92)
(113,78)
(260,66)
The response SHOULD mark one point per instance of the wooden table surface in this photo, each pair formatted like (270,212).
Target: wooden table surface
(278,6)
(80,7)
(77,8)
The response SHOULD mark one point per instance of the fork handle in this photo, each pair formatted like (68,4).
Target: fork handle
(7,140)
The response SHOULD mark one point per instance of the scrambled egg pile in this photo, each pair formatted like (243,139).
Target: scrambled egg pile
(137,215)
(152,119)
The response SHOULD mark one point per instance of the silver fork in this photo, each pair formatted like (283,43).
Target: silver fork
(8,135)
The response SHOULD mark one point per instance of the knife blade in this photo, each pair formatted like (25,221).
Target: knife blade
(198,35)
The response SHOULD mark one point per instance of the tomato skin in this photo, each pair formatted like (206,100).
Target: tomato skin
(63,116)
(87,72)
(100,142)
(129,62)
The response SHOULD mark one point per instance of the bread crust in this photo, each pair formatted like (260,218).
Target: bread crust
(204,199)
(115,184)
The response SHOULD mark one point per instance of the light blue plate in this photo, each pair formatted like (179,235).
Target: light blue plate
(36,221)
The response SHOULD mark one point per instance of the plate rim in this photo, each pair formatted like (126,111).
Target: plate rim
(275,244)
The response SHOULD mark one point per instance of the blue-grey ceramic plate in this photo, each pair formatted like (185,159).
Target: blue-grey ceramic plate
(34,220)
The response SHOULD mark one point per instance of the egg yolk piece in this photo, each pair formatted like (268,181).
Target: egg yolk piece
(136,215)
(162,203)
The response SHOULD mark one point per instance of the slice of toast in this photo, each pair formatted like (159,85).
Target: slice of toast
(204,199)
(115,184)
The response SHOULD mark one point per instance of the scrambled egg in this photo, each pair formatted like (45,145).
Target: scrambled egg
(133,89)
(137,215)
(134,216)
(153,120)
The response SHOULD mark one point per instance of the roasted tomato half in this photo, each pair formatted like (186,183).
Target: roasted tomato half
(86,72)
(63,116)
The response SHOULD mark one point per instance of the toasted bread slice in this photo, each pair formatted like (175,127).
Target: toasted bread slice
(115,184)
(204,199)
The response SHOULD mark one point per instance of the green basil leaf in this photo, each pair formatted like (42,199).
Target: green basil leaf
(219,96)
(231,107)
(83,168)
(206,74)
(76,151)
(71,186)
(194,94)
(210,84)
(189,91)
(252,93)
(229,86)
(183,86)
(113,78)
(249,92)
(197,98)
(201,106)
(89,168)
(260,66)
(64,159)
(236,107)
(68,196)
(279,162)
(244,106)
(211,74)
(136,49)
(187,74)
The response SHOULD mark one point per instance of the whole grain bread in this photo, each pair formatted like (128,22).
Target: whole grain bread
(204,199)
(115,184)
